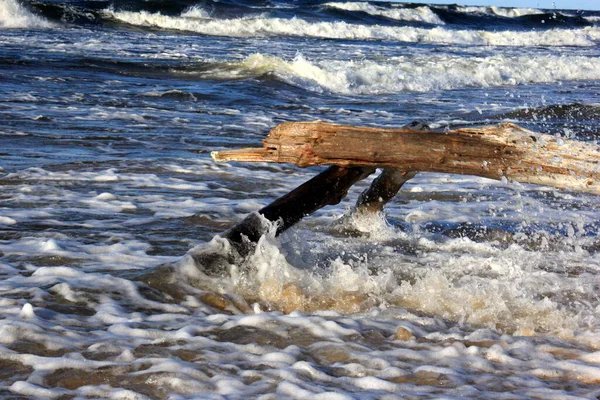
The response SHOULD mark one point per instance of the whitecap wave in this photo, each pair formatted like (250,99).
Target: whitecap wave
(418,14)
(418,74)
(262,26)
(500,11)
(13,15)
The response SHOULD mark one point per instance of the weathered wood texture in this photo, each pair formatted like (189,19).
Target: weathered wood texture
(497,152)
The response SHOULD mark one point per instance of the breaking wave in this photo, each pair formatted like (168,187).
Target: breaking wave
(418,14)
(418,74)
(263,26)
(13,15)
(500,11)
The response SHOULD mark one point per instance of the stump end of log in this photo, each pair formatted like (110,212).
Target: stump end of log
(242,155)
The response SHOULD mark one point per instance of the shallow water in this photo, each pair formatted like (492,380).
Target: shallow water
(464,287)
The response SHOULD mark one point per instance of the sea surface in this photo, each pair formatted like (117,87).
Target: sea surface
(463,287)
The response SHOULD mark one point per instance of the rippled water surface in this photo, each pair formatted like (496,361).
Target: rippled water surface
(463,288)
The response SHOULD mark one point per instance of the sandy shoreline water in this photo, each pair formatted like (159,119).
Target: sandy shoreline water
(463,288)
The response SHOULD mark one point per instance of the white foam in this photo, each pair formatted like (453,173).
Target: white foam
(27,312)
(105,197)
(112,175)
(373,383)
(29,389)
(13,15)
(420,73)
(50,246)
(263,26)
(109,202)
(120,115)
(417,14)
(196,12)
(7,220)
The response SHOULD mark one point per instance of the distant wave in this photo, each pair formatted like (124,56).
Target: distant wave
(422,74)
(500,11)
(326,17)
(13,15)
(418,14)
(494,18)
(334,19)
(263,26)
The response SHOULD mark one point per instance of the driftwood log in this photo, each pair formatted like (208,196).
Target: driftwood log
(496,152)
(505,151)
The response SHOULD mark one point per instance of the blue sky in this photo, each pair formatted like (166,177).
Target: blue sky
(548,4)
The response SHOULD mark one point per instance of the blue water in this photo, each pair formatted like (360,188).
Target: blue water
(464,287)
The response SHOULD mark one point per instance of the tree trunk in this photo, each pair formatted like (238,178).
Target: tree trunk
(498,152)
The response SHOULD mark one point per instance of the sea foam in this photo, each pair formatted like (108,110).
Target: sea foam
(459,290)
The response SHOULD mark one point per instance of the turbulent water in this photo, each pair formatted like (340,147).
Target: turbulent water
(463,288)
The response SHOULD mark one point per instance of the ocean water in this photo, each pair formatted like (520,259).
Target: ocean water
(463,288)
